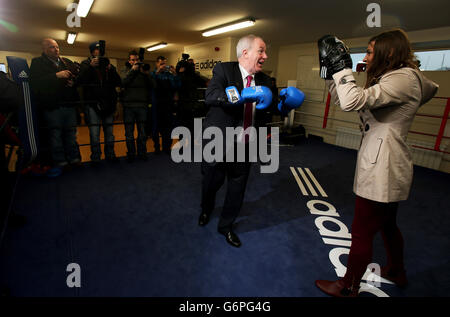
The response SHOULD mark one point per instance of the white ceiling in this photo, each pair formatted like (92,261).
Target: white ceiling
(126,24)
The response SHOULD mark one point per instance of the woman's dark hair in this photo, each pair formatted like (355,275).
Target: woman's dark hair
(392,50)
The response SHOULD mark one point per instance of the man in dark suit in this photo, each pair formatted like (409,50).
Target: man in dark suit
(251,53)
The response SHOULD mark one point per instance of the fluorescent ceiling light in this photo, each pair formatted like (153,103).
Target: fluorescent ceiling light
(156,46)
(229,27)
(83,7)
(71,37)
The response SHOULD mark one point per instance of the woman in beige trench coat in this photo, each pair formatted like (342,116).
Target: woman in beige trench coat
(395,89)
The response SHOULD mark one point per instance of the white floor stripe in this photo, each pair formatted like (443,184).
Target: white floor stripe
(343,243)
(28,115)
(299,182)
(307,182)
(319,188)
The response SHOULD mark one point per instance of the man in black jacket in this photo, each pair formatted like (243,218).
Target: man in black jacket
(188,94)
(99,80)
(166,84)
(136,97)
(52,81)
(10,94)
(251,53)
(11,98)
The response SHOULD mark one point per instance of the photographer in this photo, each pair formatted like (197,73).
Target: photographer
(53,84)
(188,95)
(167,84)
(135,98)
(99,80)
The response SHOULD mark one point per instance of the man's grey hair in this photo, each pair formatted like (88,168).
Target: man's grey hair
(245,43)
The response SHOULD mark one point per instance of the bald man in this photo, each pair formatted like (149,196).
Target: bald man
(52,82)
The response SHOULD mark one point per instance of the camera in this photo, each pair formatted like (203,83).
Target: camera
(101,48)
(74,69)
(142,67)
(141,55)
(103,61)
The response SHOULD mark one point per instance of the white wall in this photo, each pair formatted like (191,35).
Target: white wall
(208,53)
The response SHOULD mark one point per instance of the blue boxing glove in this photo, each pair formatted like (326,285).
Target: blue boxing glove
(259,94)
(290,98)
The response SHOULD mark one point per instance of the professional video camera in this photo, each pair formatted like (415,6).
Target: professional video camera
(103,61)
(141,55)
(74,68)
(143,66)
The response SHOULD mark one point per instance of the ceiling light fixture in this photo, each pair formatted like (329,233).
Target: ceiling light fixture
(71,37)
(230,27)
(83,7)
(156,46)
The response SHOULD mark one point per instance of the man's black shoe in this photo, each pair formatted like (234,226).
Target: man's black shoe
(232,239)
(203,219)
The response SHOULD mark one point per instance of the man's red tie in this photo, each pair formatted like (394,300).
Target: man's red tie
(248,111)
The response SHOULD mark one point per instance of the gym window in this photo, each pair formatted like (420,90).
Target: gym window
(429,60)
